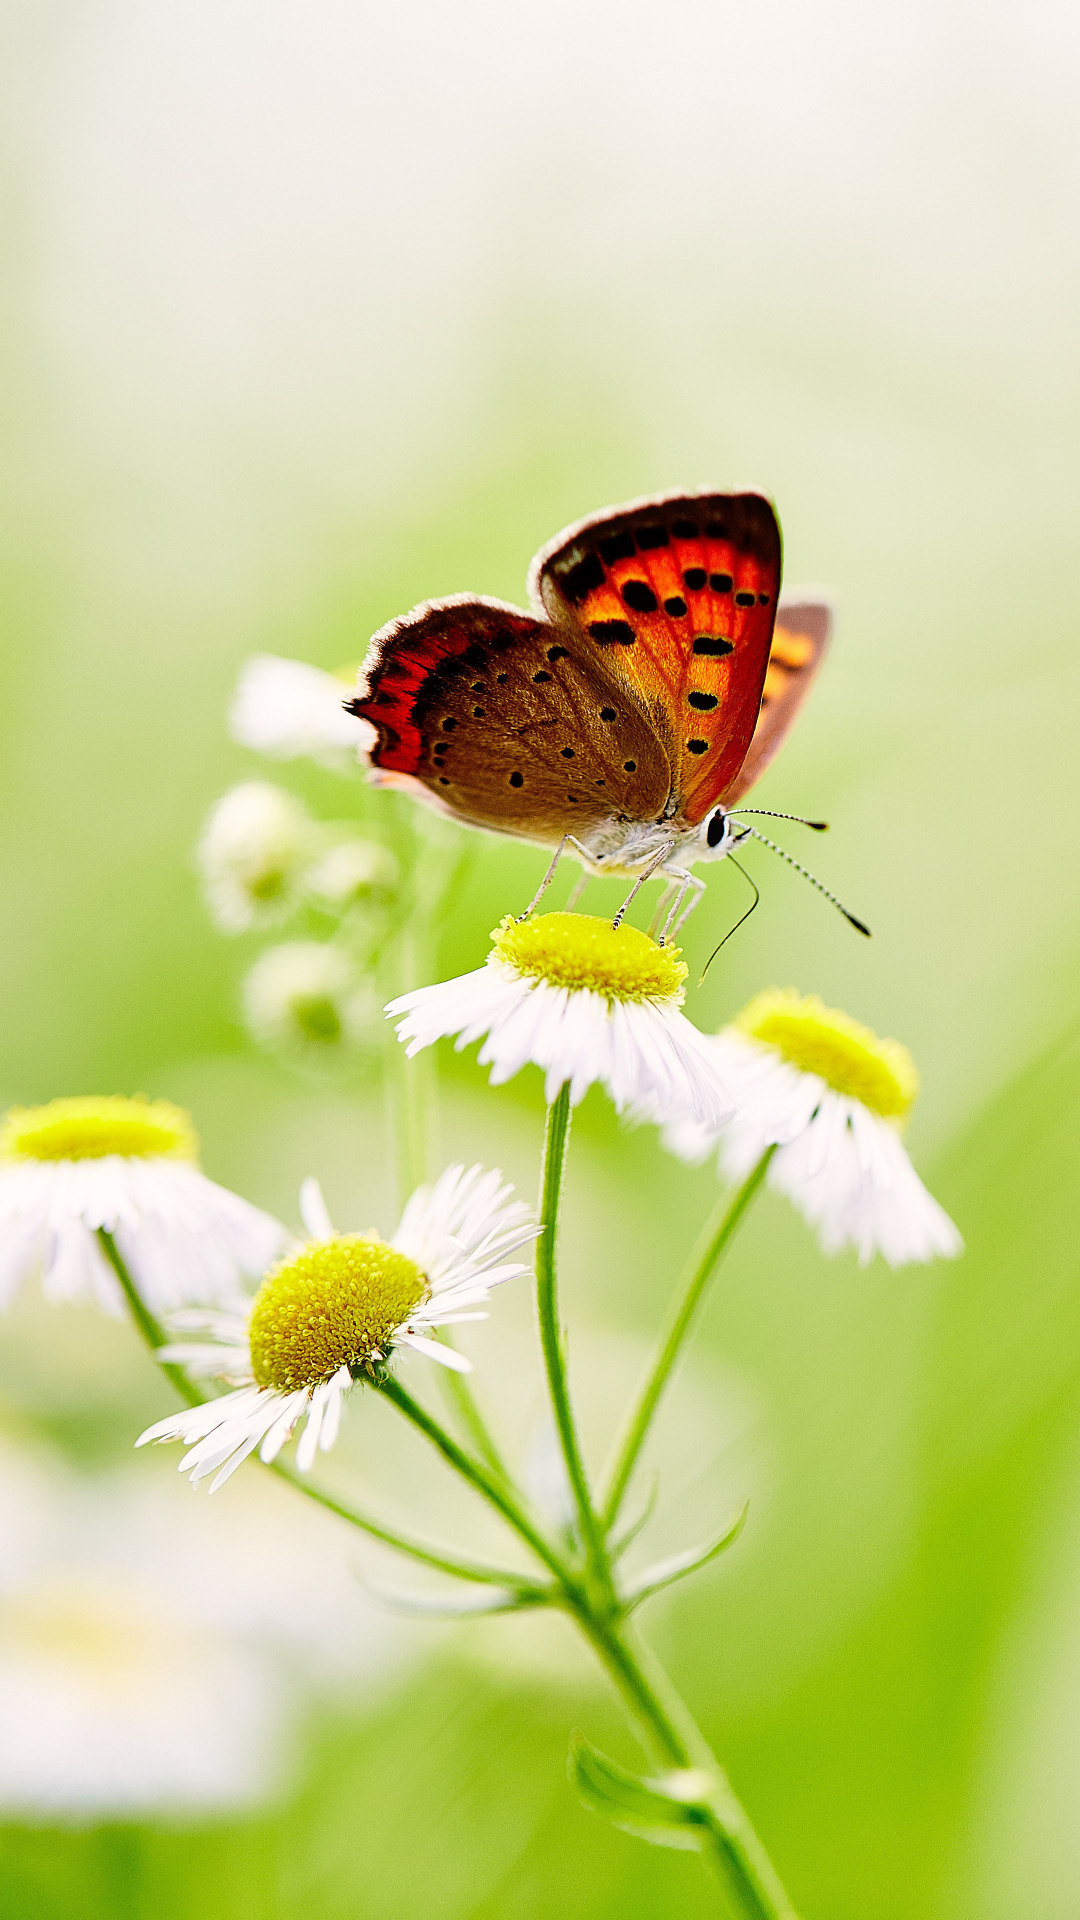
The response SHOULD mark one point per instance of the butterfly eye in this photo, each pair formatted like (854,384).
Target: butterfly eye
(716,829)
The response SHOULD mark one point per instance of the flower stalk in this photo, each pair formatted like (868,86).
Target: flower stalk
(552,1338)
(711,1244)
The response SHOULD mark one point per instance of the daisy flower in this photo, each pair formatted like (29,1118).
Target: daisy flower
(129,1166)
(332,1313)
(832,1098)
(308,998)
(253,852)
(289,709)
(585,1001)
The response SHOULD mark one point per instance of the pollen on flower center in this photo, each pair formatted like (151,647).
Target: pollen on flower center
(841,1051)
(87,1128)
(577,950)
(336,1303)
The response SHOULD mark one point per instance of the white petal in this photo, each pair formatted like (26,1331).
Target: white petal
(313,1210)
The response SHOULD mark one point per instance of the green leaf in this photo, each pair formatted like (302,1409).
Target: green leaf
(671,1812)
(664,1572)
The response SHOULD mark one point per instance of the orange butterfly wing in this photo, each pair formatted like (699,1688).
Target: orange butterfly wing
(799,645)
(680,593)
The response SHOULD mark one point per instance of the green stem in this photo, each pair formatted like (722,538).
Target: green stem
(732,1848)
(710,1245)
(556,1136)
(189,1390)
(494,1490)
(151,1329)
(462,1569)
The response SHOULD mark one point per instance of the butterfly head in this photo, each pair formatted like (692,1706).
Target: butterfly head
(717,835)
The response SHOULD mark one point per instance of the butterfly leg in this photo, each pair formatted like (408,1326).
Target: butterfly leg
(667,895)
(675,919)
(566,841)
(653,867)
(576,891)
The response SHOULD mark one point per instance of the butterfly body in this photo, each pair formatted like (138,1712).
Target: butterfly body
(646,689)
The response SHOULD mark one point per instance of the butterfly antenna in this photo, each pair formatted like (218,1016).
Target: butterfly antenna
(757,896)
(838,904)
(819,826)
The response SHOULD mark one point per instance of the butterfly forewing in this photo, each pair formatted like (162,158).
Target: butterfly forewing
(678,596)
(510,722)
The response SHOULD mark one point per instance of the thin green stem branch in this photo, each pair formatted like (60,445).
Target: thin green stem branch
(150,1328)
(713,1240)
(500,1496)
(189,1390)
(461,1568)
(556,1137)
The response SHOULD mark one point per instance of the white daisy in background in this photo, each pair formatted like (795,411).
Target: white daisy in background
(288,709)
(255,846)
(584,1001)
(308,997)
(833,1097)
(155,1654)
(352,873)
(333,1312)
(129,1166)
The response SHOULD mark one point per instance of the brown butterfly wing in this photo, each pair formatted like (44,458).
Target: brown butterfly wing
(678,595)
(800,642)
(510,723)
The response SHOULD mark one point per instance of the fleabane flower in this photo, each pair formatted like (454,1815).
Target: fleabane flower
(352,873)
(585,1001)
(130,1166)
(308,998)
(333,1312)
(289,709)
(832,1098)
(254,848)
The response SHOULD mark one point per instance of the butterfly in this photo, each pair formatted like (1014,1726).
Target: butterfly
(649,688)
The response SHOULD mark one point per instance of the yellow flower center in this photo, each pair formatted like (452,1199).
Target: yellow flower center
(578,951)
(87,1128)
(336,1303)
(841,1051)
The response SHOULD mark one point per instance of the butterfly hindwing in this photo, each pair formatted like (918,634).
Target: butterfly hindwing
(799,645)
(509,722)
(678,595)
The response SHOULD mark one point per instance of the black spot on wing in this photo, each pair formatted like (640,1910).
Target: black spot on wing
(712,645)
(639,596)
(612,633)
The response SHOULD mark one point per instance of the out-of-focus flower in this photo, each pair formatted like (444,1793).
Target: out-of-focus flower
(252,854)
(153,1660)
(129,1166)
(352,873)
(585,1002)
(832,1097)
(306,997)
(334,1311)
(286,708)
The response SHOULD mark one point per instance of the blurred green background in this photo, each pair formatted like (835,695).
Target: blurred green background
(312,312)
